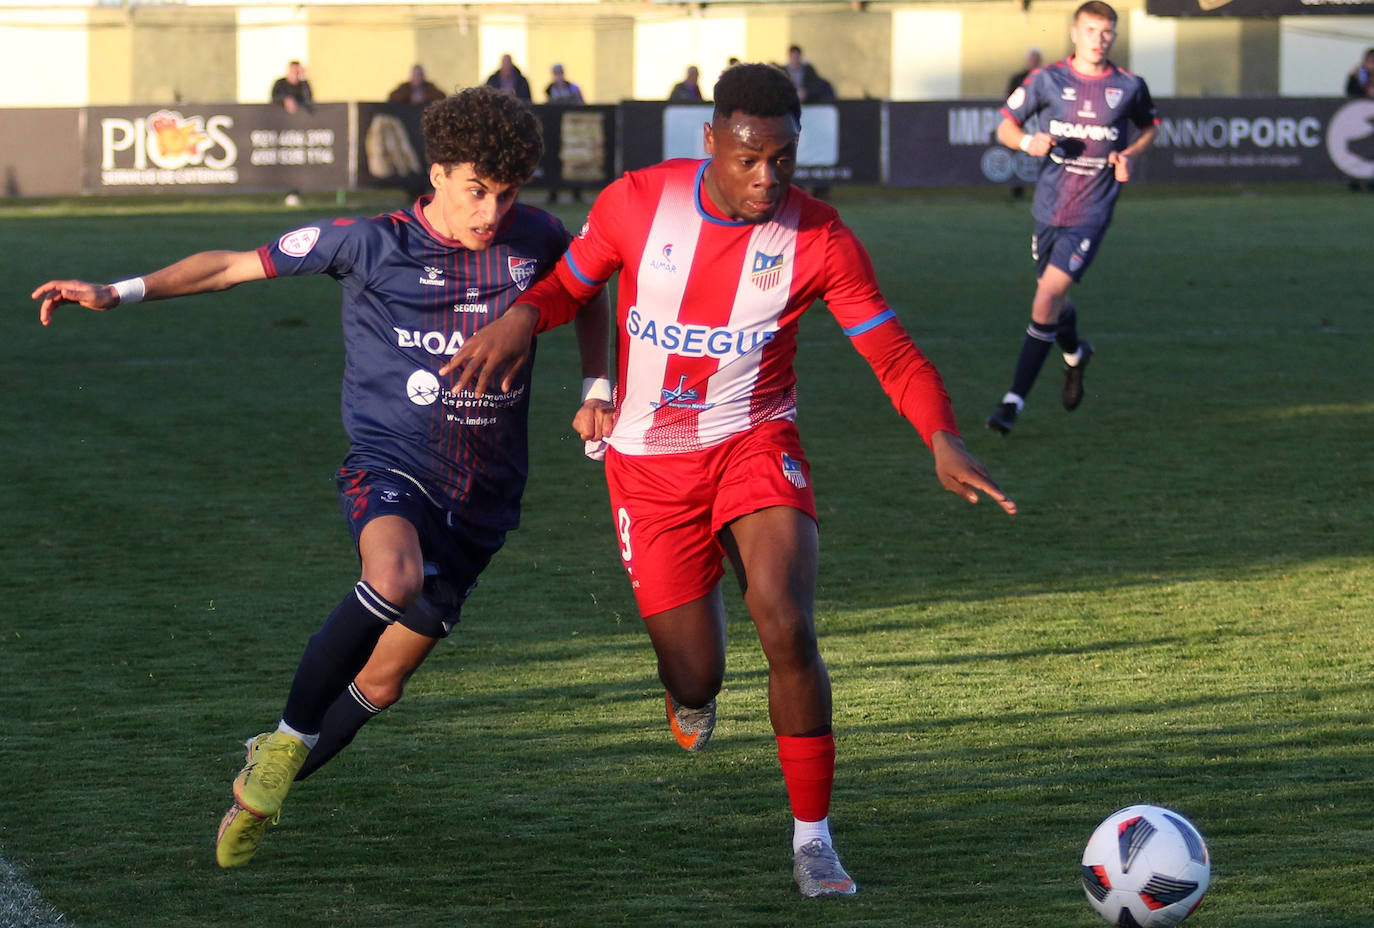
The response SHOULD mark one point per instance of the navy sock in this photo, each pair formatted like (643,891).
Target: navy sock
(1067,338)
(1035,347)
(335,654)
(349,713)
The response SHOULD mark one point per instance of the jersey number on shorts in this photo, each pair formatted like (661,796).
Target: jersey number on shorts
(623,518)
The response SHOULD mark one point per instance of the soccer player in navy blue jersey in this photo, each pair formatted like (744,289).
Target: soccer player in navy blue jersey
(433,477)
(1095,120)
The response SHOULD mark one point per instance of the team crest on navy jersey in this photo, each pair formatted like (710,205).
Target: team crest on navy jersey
(297,244)
(767,270)
(1113,96)
(522,270)
(792,470)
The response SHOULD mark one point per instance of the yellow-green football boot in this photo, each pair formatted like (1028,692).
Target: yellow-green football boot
(240,833)
(263,783)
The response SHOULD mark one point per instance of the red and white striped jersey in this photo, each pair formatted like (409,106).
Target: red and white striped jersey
(708,309)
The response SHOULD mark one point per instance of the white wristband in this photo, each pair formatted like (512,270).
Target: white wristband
(596,388)
(130,291)
(1024,144)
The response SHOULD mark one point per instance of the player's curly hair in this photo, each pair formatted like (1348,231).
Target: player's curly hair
(756,90)
(494,132)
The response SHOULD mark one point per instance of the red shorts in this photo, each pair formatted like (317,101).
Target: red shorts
(669,507)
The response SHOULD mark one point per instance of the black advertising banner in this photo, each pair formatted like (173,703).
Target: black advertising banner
(234,148)
(840,142)
(641,132)
(214,147)
(952,144)
(1263,140)
(1264,8)
(1200,140)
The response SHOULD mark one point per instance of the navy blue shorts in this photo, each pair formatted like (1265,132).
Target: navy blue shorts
(1069,248)
(455,551)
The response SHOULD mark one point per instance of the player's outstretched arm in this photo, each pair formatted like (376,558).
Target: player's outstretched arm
(495,353)
(959,472)
(204,272)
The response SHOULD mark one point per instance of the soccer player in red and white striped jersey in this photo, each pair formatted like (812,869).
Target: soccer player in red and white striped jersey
(717,260)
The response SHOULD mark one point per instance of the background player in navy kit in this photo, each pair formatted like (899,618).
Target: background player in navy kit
(1086,108)
(433,477)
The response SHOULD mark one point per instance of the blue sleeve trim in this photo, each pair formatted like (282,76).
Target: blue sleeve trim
(867,324)
(572,266)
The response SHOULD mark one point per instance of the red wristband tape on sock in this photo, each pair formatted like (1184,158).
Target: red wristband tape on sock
(808,769)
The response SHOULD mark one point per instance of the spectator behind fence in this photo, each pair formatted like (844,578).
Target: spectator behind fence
(508,79)
(419,89)
(1033,60)
(292,92)
(687,90)
(811,87)
(561,90)
(1359,85)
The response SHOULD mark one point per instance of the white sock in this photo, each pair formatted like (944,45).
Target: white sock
(1014,398)
(1072,359)
(310,740)
(806,832)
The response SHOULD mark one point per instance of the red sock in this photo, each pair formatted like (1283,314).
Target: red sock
(808,769)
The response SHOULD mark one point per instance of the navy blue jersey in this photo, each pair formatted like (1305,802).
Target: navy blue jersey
(410,298)
(1089,117)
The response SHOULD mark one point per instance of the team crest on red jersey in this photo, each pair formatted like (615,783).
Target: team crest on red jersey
(767,270)
(522,270)
(792,470)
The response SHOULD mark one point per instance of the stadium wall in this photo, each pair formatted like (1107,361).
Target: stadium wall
(211,52)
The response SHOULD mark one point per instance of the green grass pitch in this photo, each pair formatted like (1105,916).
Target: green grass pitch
(1182,613)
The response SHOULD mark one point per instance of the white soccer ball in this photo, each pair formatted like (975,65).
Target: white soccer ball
(1146,867)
